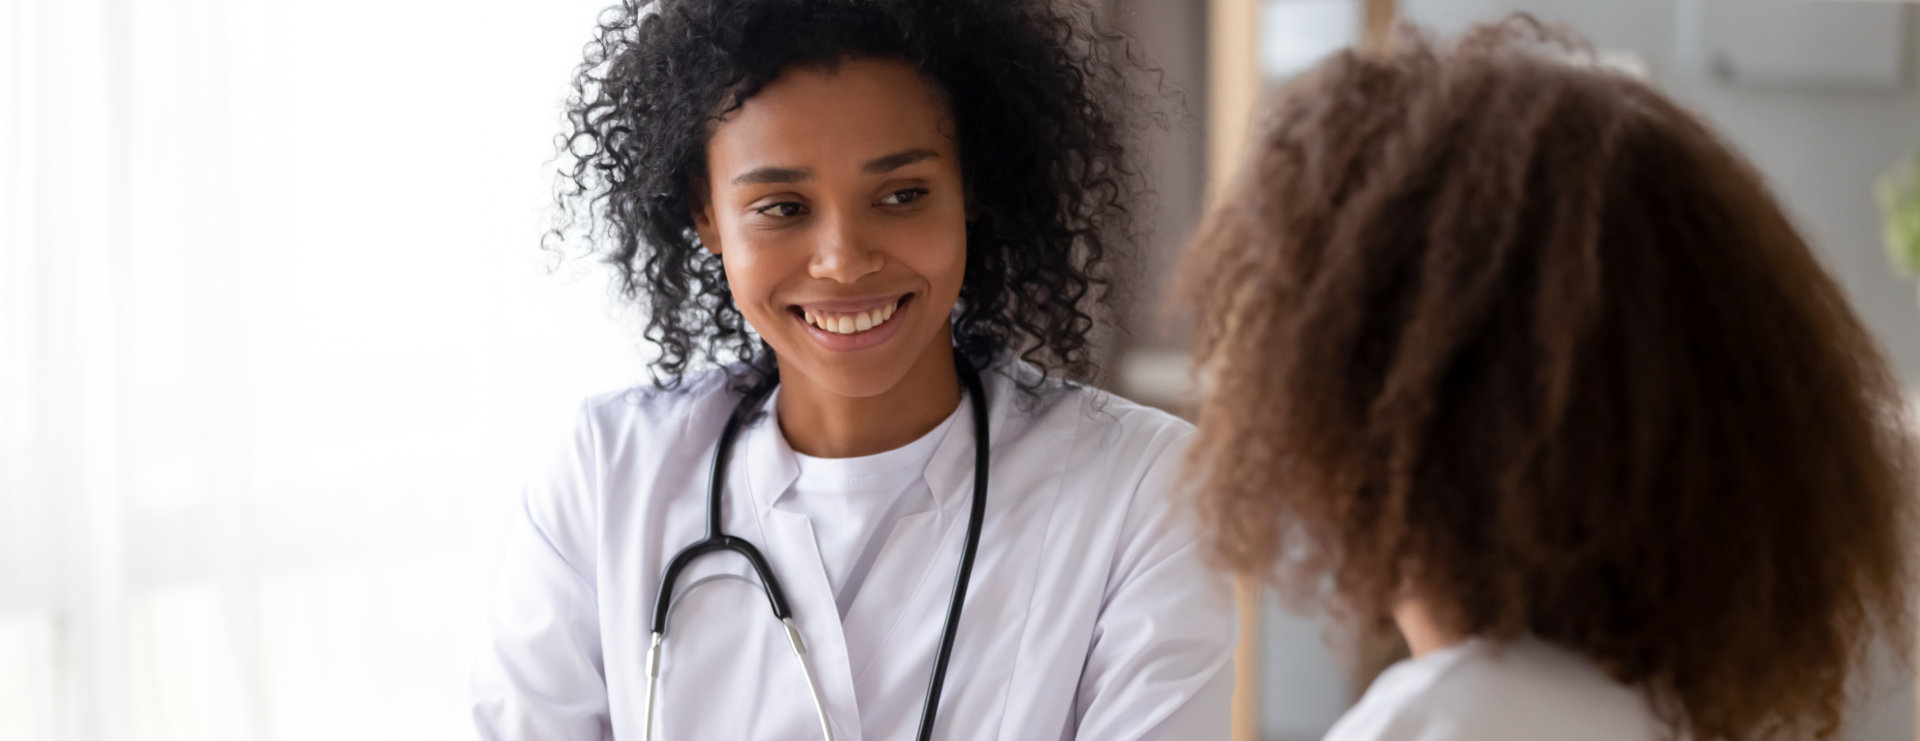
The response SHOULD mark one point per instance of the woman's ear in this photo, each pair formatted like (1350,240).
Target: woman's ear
(703,225)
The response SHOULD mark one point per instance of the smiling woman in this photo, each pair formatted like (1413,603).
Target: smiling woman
(886,226)
(844,242)
(1028,101)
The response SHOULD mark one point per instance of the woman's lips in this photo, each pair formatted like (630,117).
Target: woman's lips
(850,322)
(855,325)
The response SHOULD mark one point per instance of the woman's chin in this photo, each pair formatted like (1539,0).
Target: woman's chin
(855,375)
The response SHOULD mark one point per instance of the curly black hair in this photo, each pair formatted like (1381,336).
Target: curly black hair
(1037,93)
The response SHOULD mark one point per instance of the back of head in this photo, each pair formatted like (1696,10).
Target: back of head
(1493,327)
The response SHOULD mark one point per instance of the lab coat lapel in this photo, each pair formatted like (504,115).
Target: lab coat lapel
(794,555)
(903,586)
(910,584)
(896,621)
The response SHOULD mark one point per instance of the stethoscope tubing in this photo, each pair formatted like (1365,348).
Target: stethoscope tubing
(717,540)
(950,632)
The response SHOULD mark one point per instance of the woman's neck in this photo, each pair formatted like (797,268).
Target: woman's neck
(824,424)
(1424,631)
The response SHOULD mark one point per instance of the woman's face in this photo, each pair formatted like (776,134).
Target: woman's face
(836,206)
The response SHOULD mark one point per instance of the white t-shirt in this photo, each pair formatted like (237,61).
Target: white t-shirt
(853,504)
(1480,690)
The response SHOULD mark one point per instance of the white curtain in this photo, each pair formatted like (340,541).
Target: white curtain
(277,344)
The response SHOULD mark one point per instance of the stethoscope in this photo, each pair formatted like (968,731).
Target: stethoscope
(718,540)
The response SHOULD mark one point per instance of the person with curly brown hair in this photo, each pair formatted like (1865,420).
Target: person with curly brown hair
(866,495)
(1506,350)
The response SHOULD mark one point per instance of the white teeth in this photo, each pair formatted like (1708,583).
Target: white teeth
(851,323)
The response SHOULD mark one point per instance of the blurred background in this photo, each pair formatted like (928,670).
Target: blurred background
(277,344)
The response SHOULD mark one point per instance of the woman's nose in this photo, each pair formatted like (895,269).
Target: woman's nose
(842,251)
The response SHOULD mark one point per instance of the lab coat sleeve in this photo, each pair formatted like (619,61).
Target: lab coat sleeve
(1161,663)
(540,675)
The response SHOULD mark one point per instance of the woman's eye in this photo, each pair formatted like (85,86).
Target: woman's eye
(903,197)
(783,209)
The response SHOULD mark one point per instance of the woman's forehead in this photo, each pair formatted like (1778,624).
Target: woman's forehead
(844,118)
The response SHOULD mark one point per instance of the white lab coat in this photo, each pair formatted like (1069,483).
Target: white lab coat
(1090,614)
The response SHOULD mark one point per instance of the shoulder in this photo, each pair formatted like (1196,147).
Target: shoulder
(1117,466)
(1495,691)
(619,437)
(1102,425)
(1109,453)
(655,405)
(621,428)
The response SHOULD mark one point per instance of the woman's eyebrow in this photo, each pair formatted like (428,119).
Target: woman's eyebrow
(898,160)
(764,175)
(774,175)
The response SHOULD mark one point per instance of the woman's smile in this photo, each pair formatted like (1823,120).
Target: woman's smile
(851,325)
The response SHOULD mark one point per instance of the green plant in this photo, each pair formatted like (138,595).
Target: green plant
(1900,201)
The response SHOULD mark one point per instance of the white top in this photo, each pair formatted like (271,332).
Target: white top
(853,503)
(1522,690)
(1090,615)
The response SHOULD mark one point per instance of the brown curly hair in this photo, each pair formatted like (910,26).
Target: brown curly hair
(1493,327)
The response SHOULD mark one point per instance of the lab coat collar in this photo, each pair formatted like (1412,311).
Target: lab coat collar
(950,473)
(771,465)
